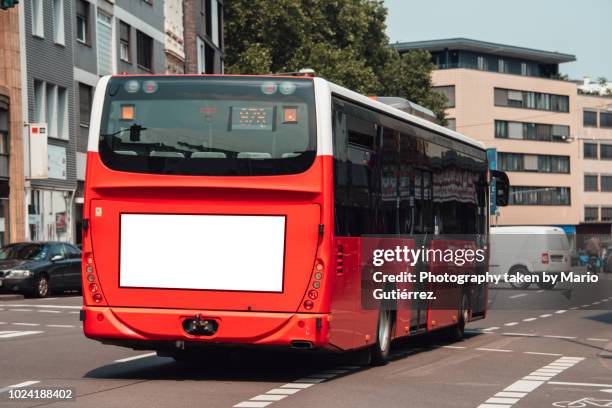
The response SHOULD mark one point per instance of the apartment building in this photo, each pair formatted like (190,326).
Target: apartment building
(514,100)
(109,38)
(12,207)
(594,136)
(50,167)
(203,36)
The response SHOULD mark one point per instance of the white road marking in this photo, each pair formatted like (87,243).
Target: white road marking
(542,354)
(49,311)
(511,394)
(60,325)
(520,334)
(585,306)
(47,306)
(454,347)
(517,296)
(286,390)
(545,315)
(125,360)
(296,385)
(252,404)
(510,324)
(530,319)
(25,324)
(574,308)
(559,337)
(491,328)
(283,391)
(540,291)
(529,383)
(595,303)
(74,312)
(9,334)
(592,339)
(560,311)
(20,310)
(20,385)
(264,397)
(579,384)
(492,349)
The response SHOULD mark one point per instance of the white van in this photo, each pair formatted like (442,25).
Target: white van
(529,250)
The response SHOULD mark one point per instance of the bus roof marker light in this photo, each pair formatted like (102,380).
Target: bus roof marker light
(287,88)
(269,88)
(150,87)
(132,86)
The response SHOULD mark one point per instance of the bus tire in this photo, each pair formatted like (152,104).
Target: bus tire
(456,332)
(380,351)
(519,270)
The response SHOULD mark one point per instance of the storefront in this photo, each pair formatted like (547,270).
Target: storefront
(50,215)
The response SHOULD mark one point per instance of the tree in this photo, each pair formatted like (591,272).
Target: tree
(344,41)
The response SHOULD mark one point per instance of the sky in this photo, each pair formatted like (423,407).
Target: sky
(579,27)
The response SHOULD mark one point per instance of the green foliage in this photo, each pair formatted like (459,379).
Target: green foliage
(344,41)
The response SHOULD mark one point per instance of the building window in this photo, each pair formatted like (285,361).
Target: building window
(449,92)
(605,119)
(502,66)
(538,195)
(591,214)
(82,21)
(606,213)
(531,131)
(590,150)
(451,123)
(605,151)
(124,39)
(481,63)
(38,28)
(144,46)
(590,183)
(606,183)
(589,118)
(531,100)
(540,163)
(201,56)
(58,21)
(85,98)
(51,107)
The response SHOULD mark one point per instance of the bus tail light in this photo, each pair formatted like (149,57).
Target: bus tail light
(93,294)
(312,293)
(545,257)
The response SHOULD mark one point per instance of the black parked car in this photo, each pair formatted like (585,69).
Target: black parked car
(37,268)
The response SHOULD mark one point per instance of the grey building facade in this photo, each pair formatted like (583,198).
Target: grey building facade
(48,85)
(110,38)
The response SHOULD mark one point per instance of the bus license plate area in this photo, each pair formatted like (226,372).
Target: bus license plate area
(205,252)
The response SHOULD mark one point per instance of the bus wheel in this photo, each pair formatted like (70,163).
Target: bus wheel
(517,271)
(546,285)
(457,331)
(380,351)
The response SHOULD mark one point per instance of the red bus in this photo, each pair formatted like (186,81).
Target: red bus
(232,210)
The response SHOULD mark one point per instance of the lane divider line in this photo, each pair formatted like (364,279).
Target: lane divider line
(527,384)
(286,390)
(138,357)
(20,385)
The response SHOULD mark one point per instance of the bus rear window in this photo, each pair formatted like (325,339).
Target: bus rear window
(213,126)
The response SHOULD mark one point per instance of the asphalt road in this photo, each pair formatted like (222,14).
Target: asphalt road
(520,356)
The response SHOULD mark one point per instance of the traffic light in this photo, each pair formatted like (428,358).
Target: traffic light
(6,4)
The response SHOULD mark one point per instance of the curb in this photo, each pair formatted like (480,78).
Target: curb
(4,298)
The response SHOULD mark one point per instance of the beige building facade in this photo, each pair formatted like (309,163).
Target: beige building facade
(515,101)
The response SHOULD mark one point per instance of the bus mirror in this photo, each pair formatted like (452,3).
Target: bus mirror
(502,187)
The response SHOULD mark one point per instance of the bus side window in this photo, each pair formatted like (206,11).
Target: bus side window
(390,169)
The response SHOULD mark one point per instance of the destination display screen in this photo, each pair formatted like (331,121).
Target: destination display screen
(251,118)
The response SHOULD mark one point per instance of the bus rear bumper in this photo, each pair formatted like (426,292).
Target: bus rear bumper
(140,326)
